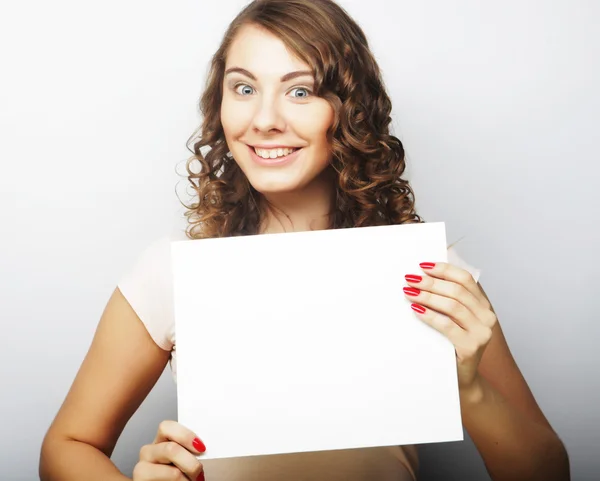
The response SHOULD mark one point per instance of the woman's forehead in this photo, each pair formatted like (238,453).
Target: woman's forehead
(262,53)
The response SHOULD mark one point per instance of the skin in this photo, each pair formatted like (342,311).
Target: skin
(268,111)
(499,411)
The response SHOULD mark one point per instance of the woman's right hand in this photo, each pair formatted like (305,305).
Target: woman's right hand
(171,457)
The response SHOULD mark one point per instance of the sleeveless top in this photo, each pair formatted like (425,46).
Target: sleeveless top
(147,286)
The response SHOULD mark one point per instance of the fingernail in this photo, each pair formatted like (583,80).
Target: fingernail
(427,265)
(200,477)
(198,445)
(413,278)
(411,291)
(418,308)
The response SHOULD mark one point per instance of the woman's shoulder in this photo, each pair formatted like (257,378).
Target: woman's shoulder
(455,258)
(153,262)
(147,285)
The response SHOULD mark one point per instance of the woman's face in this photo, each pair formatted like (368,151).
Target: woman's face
(267,108)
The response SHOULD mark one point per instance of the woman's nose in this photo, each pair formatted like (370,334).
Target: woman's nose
(268,116)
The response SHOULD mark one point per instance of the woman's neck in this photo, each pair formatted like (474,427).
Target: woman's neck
(308,209)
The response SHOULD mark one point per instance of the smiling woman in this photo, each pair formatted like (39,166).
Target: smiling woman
(263,108)
(297,120)
(296,75)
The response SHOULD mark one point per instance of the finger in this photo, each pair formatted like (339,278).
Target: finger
(145,471)
(466,342)
(170,452)
(480,309)
(458,312)
(450,272)
(455,334)
(173,431)
(445,288)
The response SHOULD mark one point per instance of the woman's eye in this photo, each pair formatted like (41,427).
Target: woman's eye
(247,90)
(242,85)
(308,92)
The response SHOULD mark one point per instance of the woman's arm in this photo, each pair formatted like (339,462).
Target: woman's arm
(498,410)
(119,370)
(505,422)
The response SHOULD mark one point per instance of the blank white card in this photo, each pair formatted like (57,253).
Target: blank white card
(306,342)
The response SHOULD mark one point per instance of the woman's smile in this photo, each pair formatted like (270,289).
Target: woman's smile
(267,158)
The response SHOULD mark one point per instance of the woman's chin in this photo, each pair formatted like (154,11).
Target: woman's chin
(273,185)
(286,181)
(269,189)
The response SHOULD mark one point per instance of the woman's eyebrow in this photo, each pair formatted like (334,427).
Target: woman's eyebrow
(285,78)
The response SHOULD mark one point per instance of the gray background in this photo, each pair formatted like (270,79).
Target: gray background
(497,104)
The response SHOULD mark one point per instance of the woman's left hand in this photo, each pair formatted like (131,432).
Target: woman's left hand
(449,300)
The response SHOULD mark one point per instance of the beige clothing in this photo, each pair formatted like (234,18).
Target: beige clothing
(147,286)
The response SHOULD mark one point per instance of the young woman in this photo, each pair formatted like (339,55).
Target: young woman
(296,117)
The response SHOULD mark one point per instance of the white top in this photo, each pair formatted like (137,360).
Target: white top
(148,288)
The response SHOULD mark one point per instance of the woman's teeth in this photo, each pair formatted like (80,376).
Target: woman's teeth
(273,153)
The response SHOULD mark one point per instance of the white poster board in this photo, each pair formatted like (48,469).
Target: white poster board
(306,342)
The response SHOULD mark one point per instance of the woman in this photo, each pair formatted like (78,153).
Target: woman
(296,118)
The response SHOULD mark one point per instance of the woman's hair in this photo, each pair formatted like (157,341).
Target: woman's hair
(367,160)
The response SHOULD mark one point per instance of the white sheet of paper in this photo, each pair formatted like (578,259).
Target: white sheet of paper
(305,342)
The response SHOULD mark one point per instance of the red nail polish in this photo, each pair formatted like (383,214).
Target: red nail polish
(412,291)
(200,477)
(418,308)
(198,445)
(413,278)
(427,265)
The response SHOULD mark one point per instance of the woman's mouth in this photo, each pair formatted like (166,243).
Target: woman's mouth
(274,157)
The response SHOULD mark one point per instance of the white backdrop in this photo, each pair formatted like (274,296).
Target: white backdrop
(497,105)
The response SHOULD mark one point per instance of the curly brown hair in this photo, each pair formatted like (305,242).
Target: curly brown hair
(367,159)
